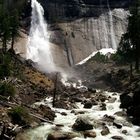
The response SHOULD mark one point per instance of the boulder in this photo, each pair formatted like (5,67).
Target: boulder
(107,118)
(82,124)
(61,136)
(111,100)
(105,131)
(91,134)
(47,112)
(117,138)
(119,126)
(64,113)
(76,99)
(121,113)
(103,106)
(92,90)
(88,104)
(126,101)
(136,98)
(62,104)
(124,132)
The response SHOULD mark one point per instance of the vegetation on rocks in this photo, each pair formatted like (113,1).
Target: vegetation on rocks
(7,89)
(19,115)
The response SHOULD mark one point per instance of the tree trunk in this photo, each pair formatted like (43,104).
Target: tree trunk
(12,44)
(137,57)
(137,64)
(4,46)
(55,89)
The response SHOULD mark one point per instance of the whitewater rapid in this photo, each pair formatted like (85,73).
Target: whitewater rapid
(94,114)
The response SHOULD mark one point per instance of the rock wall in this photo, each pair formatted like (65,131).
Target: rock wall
(79,27)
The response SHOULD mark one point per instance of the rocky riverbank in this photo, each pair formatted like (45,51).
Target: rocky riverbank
(32,87)
(89,115)
(24,86)
(115,77)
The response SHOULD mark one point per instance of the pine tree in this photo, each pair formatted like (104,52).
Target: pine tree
(130,42)
(14,27)
(134,30)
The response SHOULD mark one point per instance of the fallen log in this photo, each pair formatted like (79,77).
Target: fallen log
(40,118)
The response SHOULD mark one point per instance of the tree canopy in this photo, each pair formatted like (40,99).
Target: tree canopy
(9,17)
(130,42)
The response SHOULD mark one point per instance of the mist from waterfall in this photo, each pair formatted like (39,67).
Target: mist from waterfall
(38,48)
(112,34)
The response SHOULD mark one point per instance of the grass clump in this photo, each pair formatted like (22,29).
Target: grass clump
(7,89)
(19,115)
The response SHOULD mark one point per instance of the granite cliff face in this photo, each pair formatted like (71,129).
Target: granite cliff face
(79,27)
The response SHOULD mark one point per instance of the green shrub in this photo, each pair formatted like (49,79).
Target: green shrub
(117,58)
(19,115)
(4,71)
(99,57)
(7,89)
(5,68)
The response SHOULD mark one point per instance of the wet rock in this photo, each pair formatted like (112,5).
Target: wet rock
(82,124)
(47,112)
(102,98)
(92,90)
(83,89)
(64,113)
(98,124)
(126,101)
(90,134)
(59,125)
(105,131)
(94,102)
(124,131)
(136,97)
(117,138)
(62,104)
(76,99)
(121,113)
(53,137)
(119,126)
(107,118)
(61,136)
(103,106)
(77,112)
(111,100)
(88,104)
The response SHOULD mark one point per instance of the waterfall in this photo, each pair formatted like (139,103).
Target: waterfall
(104,25)
(112,34)
(38,48)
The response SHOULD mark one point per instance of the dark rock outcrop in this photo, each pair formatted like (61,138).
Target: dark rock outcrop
(82,124)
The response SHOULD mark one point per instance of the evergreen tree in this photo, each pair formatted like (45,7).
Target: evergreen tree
(14,29)
(9,25)
(134,30)
(4,30)
(130,42)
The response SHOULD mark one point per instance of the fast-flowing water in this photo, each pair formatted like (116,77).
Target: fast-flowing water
(95,115)
(38,48)
(39,51)
(112,33)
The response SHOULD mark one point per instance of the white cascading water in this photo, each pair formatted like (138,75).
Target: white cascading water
(95,115)
(113,40)
(38,48)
